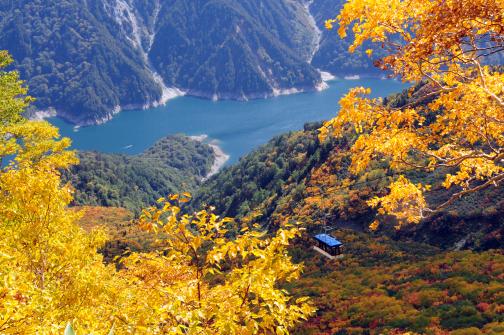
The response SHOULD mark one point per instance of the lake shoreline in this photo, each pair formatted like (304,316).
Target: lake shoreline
(71,119)
(239,127)
(220,157)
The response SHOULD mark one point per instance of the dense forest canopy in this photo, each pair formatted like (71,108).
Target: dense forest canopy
(174,164)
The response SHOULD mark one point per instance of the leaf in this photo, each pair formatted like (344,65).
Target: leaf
(112,329)
(69,329)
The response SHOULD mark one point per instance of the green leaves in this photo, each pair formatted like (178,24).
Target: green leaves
(173,164)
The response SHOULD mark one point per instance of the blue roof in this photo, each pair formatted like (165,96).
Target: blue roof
(328,239)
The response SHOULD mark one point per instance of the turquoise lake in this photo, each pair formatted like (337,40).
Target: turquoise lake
(238,127)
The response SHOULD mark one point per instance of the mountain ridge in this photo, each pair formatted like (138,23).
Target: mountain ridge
(173,164)
(85,62)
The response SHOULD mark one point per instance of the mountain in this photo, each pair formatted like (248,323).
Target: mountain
(86,60)
(332,53)
(74,60)
(235,49)
(296,178)
(173,164)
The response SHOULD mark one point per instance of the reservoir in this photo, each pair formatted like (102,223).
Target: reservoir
(236,126)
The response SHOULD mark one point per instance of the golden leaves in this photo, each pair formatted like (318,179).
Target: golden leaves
(217,283)
(329,23)
(356,111)
(57,272)
(455,121)
(374,225)
(405,201)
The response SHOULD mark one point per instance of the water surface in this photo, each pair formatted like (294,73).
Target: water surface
(237,126)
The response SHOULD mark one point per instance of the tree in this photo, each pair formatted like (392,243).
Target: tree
(459,133)
(50,271)
(13,98)
(202,281)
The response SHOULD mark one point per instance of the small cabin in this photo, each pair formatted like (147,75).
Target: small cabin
(328,244)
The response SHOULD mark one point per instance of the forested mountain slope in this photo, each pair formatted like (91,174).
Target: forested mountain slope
(235,49)
(73,58)
(173,164)
(86,60)
(332,54)
(296,178)
(383,286)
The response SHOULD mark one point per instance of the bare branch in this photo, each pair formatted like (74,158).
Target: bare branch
(492,181)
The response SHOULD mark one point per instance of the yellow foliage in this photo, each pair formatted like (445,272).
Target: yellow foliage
(50,271)
(445,44)
(202,280)
(405,201)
